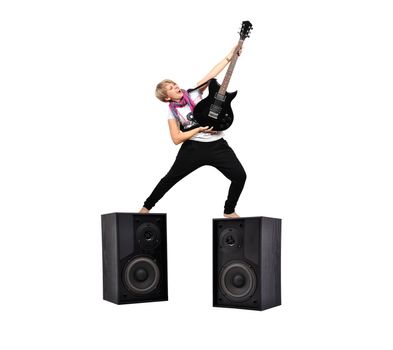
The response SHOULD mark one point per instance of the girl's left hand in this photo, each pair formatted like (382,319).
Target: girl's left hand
(235,49)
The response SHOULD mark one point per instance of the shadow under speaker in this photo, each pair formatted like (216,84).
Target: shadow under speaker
(247,263)
(134,255)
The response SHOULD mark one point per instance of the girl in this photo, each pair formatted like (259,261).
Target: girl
(201,145)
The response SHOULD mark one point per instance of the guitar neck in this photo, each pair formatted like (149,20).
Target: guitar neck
(230,69)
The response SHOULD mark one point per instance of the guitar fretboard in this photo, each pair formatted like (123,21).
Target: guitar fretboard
(228,75)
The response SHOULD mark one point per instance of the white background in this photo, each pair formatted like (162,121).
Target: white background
(82,134)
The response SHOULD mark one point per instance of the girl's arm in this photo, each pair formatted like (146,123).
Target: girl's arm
(217,69)
(179,136)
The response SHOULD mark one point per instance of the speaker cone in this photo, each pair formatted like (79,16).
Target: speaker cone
(141,275)
(237,281)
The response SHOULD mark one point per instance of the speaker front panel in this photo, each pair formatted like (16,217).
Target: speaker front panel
(246,262)
(142,258)
(236,278)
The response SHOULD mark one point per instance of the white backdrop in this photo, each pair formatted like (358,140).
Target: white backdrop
(82,134)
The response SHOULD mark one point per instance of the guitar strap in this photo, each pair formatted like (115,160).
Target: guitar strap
(206,82)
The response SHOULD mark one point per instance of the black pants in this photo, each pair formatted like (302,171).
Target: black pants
(194,154)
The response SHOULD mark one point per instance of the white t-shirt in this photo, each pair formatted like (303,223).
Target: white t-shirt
(187,120)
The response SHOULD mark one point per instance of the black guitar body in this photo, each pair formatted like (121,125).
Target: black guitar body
(215,110)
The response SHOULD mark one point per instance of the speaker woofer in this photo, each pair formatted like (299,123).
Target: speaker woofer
(237,281)
(141,275)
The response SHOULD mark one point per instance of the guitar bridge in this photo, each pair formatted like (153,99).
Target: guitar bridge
(213,115)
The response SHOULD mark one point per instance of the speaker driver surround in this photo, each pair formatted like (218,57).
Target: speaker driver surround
(141,275)
(237,281)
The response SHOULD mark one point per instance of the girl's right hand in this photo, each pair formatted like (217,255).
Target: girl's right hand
(207,129)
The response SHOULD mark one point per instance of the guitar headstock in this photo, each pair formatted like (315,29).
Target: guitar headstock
(245,30)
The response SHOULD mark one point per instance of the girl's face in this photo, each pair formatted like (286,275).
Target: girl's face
(173,92)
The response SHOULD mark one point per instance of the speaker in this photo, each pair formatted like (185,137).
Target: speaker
(134,255)
(247,263)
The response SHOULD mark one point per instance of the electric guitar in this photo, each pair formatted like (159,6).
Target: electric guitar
(215,110)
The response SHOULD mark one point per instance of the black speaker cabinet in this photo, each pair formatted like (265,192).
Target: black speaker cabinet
(134,253)
(247,263)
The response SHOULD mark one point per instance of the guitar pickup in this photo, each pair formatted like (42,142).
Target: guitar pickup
(214,111)
(220,97)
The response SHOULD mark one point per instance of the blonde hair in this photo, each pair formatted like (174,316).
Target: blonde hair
(161,90)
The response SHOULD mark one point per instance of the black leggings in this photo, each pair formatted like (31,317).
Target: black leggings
(194,154)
